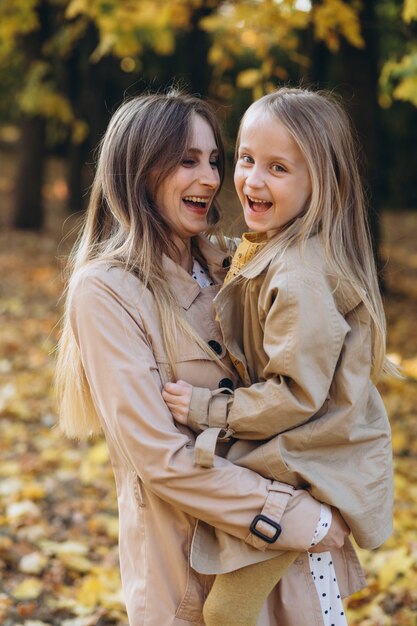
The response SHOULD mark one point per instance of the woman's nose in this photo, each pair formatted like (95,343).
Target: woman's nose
(209,177)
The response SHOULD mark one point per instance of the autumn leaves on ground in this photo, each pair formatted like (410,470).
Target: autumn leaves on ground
(58,519)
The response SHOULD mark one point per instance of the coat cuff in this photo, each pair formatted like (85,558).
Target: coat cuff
(205,445)
(208,409)
(273,509)
(296,511)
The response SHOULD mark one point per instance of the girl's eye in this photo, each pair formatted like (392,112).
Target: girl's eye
(278,168)
(245,158)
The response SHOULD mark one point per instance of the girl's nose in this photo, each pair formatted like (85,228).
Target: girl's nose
(254,178)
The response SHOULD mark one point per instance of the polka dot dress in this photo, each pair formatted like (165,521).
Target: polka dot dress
(324,575)
(201,275)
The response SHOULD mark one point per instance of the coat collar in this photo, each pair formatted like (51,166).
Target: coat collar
(182,284)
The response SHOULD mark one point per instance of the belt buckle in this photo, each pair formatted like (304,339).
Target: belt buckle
(259,533)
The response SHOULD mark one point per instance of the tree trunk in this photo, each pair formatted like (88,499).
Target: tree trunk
(94,91)
(28,213)
(189,61)
(360,88)
(28,210)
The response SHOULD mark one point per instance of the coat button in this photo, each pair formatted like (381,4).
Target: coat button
(226,262)
(215,346)
(227,383)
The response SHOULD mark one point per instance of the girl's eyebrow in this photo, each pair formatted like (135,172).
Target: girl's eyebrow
(272,157)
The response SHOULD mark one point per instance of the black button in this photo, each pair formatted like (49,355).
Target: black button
(226,382)
(215,346)
(226,262)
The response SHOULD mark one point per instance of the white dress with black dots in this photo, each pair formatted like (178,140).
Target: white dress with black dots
(201,275)
(321,564)
(324,576)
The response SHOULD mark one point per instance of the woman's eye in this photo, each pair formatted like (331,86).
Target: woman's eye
(214,164)
(188,162)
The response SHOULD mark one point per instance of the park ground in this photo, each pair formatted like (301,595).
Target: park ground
(58,518)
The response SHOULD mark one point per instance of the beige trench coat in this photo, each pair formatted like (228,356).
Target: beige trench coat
(161,492)
(311,416)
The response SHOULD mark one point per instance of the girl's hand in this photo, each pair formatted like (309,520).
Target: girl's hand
(336,536)
(178,397)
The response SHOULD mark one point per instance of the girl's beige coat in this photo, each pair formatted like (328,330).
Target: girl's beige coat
(161,492)
(309,414)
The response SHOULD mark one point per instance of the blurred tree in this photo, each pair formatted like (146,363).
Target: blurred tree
(399,74)
(28,208)
(81,55)
(399,113)
(360,71)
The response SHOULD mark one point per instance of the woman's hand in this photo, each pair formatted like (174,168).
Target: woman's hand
(335,538)
(178,397)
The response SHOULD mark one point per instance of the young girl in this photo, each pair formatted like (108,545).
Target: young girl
(302,319)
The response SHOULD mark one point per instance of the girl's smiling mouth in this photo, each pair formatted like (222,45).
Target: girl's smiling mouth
(257,205)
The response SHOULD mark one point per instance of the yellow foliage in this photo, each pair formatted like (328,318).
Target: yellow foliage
(399,79)
(125,27)
(333,18)
(407,90)
(40,97)
(80,131)
(17,17)
(410,10)
(33,491)
(29,589)
(64,548)
(76,7)
(393,564)
(249,78)
(100,587)
(89,593)
(76,562)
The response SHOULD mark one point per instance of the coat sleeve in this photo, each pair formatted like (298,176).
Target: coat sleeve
(303,339)
(122,374)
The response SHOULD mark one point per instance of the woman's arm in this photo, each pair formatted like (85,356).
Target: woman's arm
(126,389)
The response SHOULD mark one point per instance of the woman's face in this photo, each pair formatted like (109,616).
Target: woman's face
(184,198)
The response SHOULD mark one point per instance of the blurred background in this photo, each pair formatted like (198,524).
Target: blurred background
(65,65)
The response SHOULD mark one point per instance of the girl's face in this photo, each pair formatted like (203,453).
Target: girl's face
(184,198)
(271,174)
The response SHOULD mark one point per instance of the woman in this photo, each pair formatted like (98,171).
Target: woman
(136,318)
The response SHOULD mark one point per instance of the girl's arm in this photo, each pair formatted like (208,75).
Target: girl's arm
(303,338)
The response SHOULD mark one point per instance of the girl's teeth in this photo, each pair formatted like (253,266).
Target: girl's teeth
(258,201)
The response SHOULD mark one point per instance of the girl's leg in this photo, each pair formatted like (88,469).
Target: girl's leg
(236,598)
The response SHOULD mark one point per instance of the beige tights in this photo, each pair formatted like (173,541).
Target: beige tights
(236,598)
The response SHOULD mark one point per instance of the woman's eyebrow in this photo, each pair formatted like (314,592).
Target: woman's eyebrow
(199,151)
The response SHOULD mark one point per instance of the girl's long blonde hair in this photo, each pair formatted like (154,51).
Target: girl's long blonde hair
(145,142)
(337,210)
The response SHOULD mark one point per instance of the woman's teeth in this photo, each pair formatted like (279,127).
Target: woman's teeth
(196,200)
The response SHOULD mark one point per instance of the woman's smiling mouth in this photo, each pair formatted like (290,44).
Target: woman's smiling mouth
(199,203)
